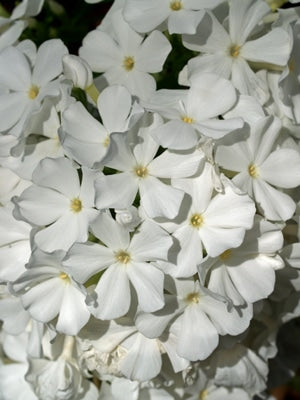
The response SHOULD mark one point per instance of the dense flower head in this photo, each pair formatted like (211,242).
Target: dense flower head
(149,201)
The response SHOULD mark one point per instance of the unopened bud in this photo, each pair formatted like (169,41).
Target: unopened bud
(78,71)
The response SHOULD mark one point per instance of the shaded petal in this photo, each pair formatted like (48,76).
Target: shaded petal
(113,294)
(148,282)
(13,106)
(48,63)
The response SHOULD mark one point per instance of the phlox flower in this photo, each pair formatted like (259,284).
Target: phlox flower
(196,317)
(181,16)
(84,138)
(248,272)
(58,203)
(133,156)
(27,86)
(126,58)
(126,262)
(194,112)
(214,222)
(228,53)
(261,165)
(47,291)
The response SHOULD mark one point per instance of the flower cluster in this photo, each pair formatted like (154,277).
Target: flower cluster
(149,237)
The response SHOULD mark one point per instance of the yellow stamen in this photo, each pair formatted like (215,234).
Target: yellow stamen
(141,171)
(106,141)
(235,50)
(203,395)
(123,257)
(187,120)
(253,171)
(76,205)
(225,255)
(192,298)
(128,63)
(33,92)
(196,220)
(64,277)
(175,5)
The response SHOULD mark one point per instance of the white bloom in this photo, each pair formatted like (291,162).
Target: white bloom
(126,261)
(127,58)
(84,138)
(228,53)
(262,166)
(27,86)
(48,291)
(58,201)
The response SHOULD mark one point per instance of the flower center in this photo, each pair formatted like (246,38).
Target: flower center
(106,141)
(203,394)
(235,50)
(33,92)
(187,120)
(123,257)
(65,277)
(196,220)
(128,63)
(192,298)
(253,171)
(141,171)
(175,5)
(76,205)
(225,255)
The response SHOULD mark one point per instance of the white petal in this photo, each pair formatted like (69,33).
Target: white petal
(159,199)
(148,283)
(282,168)
(73,314)
(273,48)
(85,260)
(115,191)
(48,63)
(176,135)
(153,53)
(12,107)
(113,294)
(14,70)
(198,337)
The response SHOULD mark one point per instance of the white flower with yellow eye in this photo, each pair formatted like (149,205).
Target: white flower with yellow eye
(58,204)
(27,86)
(47,291)
(263,168)
(228,53)
(180,16)
(126,58)
(126,262)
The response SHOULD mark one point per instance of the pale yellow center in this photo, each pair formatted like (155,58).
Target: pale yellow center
(253,171)
(106,141)
(123,257)
(128,63)
(203,395)
(235,50)
(76,205)
(187,120)
(33,92)
(196,220)
(65,277)
(141,171)
(225,255)
(175,5)
(192,298)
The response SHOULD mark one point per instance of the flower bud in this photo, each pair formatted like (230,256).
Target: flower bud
(78,70)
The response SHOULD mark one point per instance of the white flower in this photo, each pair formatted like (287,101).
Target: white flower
(261,166)
(48,291)
(27,86)
(126,261)
(228,53)
(127,58)
(58,204)
(78,70)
